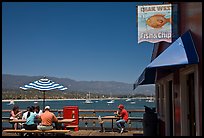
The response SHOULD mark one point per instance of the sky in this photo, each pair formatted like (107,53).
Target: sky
(83,41)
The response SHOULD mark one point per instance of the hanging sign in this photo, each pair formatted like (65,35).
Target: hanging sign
(155,23)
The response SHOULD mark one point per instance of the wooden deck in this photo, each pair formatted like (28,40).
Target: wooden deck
(90,127)
(107,133)
(94,133)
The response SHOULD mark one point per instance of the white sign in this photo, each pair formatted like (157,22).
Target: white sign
(154,23)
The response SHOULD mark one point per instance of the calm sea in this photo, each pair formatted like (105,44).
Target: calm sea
(97,104)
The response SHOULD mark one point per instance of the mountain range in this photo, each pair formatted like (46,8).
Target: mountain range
(104,87)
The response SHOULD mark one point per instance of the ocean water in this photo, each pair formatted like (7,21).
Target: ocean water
(97,104)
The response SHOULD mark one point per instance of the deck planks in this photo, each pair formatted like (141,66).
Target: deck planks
(94,133)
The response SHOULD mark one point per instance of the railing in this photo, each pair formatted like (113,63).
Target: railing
(88,118)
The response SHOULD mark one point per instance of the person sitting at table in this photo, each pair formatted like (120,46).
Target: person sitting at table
(37,110)
(123,114)
(15,114)
(24,117)
(47,118)
(30,124)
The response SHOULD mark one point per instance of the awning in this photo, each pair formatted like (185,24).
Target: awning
(178,54)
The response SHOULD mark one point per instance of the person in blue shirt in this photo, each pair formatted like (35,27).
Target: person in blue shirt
(30,124)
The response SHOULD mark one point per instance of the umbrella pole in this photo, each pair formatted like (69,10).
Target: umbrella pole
(43,100)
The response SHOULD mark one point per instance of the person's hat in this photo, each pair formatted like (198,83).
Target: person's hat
(121,106)
(47,107)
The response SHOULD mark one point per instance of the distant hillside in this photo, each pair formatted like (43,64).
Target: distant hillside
(103,87)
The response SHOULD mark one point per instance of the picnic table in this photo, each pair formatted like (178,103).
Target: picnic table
(60,121)
(109,117)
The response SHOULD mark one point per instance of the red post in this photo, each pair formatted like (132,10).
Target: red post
(71,112)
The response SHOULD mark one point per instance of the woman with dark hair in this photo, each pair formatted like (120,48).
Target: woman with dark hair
(15,114)
(37,110)
(24,117)
(30,124)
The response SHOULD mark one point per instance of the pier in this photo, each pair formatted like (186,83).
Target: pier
(89,125)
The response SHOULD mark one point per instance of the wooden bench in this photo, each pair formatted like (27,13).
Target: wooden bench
(35,131)
(75,127)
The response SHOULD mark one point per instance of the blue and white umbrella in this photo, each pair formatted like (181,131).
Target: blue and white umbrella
(43,84)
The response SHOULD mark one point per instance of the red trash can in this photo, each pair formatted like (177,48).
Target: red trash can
(71,112)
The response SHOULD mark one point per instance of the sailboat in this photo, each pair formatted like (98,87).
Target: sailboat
(140,98)
(132,102)
(88,101)
(128,100)
(35,102)
(150,100)
(11,103)
(111,101)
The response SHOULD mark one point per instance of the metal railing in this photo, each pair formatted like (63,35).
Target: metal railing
(88,118)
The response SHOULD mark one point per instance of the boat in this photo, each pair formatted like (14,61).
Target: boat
(150,100)
(128,100)
(133,102)
(140,98)
(111,101)
(11,103)
(88,101)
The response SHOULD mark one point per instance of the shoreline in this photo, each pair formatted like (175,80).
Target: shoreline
(8,100)
(37,100)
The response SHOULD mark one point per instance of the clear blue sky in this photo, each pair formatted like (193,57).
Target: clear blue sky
(82,41)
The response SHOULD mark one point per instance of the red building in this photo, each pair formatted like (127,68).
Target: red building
(176,71)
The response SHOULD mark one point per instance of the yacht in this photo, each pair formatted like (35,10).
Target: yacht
(88,101)
(11,103)
(133,102)
(128,100)
(150,100)
(110,102)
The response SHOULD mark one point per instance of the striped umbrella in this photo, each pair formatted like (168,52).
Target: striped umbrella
(43,84)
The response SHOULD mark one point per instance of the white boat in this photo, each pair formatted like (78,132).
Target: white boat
(11,103)
(88,101)
(128,100)
(133,102)
(110,102)
(150,100)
